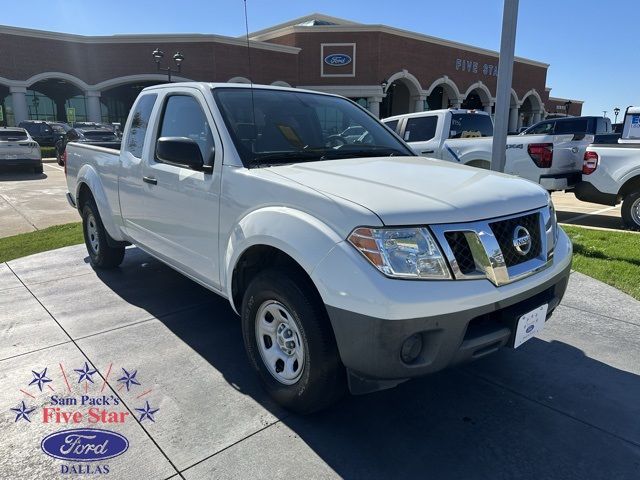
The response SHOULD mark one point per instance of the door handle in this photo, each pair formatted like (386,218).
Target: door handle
(427,151)
(150,180)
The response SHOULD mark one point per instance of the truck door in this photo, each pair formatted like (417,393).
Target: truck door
(419,133)
(181,204)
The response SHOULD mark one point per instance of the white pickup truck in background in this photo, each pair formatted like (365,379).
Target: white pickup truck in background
(354,264)
(464,137)
(611,172)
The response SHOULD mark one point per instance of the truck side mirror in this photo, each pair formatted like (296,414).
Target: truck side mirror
(181,151)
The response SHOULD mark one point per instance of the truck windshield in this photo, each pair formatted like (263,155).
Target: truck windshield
(470,125)
(276,126)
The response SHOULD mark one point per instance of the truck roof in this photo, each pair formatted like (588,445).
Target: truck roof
(431,112)
(214,85)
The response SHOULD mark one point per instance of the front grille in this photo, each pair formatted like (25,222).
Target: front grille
(461,251)
(504,230)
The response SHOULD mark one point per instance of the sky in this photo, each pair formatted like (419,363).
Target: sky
(592,45)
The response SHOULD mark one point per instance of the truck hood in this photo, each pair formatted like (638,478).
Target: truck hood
(418,190)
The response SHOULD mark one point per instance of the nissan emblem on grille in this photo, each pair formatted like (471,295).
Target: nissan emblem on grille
(521,240)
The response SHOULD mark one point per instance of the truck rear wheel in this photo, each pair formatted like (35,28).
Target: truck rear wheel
(290,343)
(101,254)
(631,211)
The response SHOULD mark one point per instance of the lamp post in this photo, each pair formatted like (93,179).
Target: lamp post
(567,106)
(604,113)
(177,59)
(616,112)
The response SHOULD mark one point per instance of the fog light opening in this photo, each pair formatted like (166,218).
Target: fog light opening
(411,348)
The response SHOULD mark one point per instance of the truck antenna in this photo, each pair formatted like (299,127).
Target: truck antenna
(246,27)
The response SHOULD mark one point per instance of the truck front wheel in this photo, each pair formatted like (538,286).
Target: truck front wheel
(101,254)
(631,211)
(290,343)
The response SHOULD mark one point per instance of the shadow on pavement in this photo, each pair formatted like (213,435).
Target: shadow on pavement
(603,221)
(8,174)
(543,411)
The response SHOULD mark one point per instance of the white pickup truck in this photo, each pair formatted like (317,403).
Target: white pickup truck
(611,171)
(464,136)
(354,265)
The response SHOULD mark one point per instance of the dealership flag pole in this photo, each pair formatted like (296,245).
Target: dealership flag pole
(503,94)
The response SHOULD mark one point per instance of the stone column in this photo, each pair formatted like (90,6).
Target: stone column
(418,103)
(19,101)
(488,107)
(536,117)
(456,102)
(94,113)
(513,119)
(374,105)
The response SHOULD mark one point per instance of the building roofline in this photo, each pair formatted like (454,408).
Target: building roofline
(292,27)
(296,21)
(560,99)
(146,38)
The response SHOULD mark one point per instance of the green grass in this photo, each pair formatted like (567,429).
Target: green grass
(48,152)
(611,257)
(34,242)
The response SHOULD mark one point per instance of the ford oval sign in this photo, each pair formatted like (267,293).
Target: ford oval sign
(337,59)
(84,444)
(529,328)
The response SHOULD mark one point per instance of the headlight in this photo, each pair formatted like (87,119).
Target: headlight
(401,252)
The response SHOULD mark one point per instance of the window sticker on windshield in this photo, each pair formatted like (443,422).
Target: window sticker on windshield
(453,133)
(407,134)
(471,134)
(291,135)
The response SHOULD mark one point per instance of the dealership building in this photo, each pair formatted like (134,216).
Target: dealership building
(57,76)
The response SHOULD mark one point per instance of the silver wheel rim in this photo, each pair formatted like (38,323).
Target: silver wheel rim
(279,342)
(92,233)
(635,212)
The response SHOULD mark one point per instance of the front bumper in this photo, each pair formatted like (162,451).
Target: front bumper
(458,320)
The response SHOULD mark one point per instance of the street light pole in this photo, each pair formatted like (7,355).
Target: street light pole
(503,93)
(177,59)
(616,111)
(604,113)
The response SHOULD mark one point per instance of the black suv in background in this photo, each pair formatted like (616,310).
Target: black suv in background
(571,125)
(47,134)
(97,136)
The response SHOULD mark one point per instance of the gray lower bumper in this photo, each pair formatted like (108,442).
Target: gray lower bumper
(21,162)
(370,347)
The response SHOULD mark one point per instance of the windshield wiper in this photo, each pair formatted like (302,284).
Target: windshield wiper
(350,151)
(286,157)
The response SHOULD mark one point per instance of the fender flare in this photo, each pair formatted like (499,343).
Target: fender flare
(307,242)
(88,176)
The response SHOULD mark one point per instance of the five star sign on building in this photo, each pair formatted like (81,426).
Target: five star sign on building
(84,373)
(23,412)
(147,412)
(39,378)
(129,379)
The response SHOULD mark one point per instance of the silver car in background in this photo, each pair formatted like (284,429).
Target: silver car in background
(18,149)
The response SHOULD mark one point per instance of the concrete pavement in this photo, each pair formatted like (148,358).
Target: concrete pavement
(564,405)
(30,201)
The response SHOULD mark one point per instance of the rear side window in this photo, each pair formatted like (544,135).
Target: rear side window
(470,125)
(139,124)
(420,129)
(577,126)
(544,128)
(393,124)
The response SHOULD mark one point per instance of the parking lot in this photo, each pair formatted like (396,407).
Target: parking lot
(31,202)
(564,405)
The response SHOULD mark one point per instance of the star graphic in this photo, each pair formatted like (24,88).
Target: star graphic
(39,378)
(23,412)
(147,412)
(85,373)
(129,379)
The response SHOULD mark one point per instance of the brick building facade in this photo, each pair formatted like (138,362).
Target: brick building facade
(46,75)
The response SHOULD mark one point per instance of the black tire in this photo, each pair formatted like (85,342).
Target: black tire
(101,254)
(322,380)
(39,169)
(631,204)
